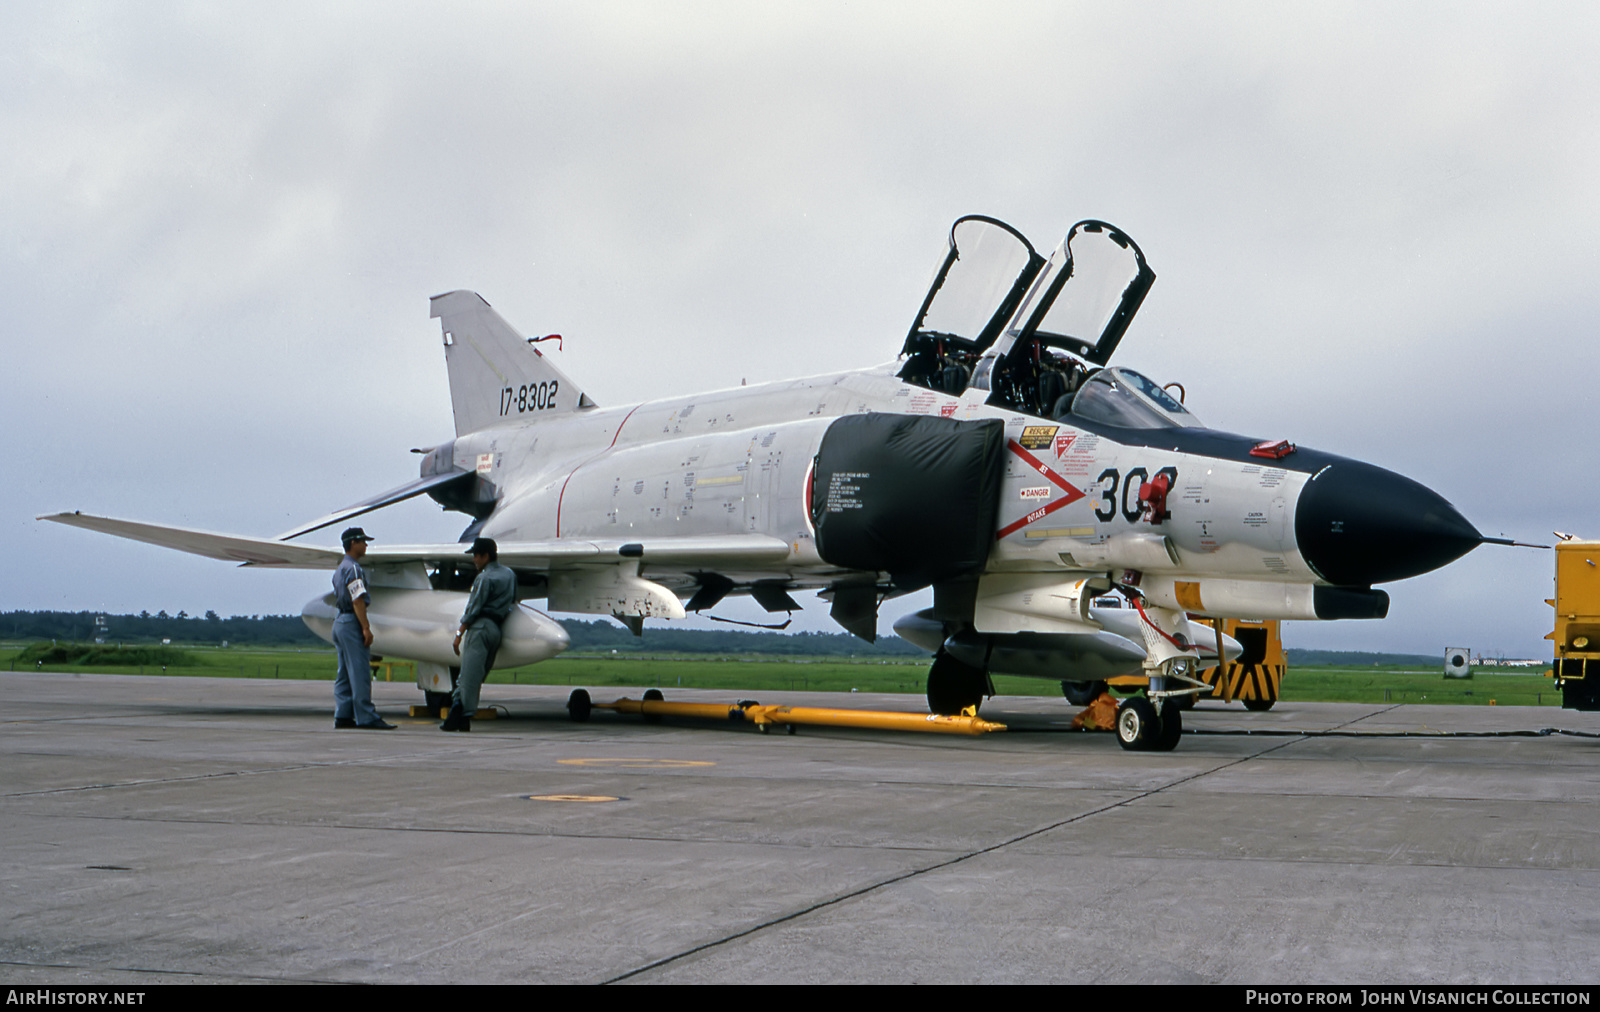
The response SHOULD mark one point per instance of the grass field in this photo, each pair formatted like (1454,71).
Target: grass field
(743,675)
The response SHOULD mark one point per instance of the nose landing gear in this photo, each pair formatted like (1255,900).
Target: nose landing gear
(1141,728)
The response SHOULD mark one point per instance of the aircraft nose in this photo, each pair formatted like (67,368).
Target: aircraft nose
(1357,525)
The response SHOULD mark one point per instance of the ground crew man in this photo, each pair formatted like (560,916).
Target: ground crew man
(494,594)
(352,636)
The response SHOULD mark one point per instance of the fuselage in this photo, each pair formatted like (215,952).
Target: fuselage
(1241,534)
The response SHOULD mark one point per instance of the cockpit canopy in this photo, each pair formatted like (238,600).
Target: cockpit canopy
(1001,318)
(976,287)
(1090,290)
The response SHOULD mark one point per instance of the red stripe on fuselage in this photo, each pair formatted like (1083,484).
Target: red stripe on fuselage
(1073,494)
(615,436)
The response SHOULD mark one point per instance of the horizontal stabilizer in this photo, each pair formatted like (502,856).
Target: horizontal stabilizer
(389,498)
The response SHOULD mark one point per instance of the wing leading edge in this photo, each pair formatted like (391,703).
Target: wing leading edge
(709,552)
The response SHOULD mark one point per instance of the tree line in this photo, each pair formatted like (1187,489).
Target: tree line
(289,630)
(211,628)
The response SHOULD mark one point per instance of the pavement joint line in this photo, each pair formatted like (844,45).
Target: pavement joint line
(364,761)
(916,872)
(165,973)
(873,848)
(544,834)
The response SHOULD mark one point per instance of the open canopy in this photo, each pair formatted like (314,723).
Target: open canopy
(1001,318)
(976,287)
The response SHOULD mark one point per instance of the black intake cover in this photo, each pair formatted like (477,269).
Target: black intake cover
(908,495)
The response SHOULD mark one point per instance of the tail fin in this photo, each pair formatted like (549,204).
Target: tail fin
(495,374)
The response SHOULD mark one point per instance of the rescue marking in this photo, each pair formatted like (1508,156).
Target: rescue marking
(1038,437)
(640,764)
(1072,494)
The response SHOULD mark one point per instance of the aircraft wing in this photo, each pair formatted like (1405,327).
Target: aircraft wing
(711,552)
(227,547)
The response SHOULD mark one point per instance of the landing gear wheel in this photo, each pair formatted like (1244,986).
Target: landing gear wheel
(1185,702)
(1258,704)
(578,706)
(1137,724)
(1171,728)
(1082,693)
(436,701)
(953,686)
(653,696)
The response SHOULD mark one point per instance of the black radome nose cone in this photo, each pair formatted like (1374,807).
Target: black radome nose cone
(1357,525)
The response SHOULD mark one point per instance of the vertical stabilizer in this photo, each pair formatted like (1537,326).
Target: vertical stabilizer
(495,374)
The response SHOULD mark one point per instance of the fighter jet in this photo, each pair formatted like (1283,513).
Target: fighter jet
(1000,460)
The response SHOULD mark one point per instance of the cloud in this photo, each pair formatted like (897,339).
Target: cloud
(1372,229)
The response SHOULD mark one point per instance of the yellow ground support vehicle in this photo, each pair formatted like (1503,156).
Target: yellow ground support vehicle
(1254,678)
(1577,629)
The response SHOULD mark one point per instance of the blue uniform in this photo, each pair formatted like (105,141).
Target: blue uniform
(494,594)
(352,687)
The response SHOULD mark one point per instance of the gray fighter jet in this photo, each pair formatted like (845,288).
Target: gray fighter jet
(1000,460)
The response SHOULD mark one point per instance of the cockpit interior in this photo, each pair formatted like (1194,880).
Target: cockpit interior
(1036,332)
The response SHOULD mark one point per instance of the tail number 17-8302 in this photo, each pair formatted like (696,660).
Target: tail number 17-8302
(528,397)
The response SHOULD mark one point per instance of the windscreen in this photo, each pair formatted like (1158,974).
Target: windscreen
(1130,400)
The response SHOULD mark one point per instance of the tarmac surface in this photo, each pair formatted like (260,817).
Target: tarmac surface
(164,830)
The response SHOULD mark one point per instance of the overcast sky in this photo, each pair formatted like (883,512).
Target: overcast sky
(1374,229)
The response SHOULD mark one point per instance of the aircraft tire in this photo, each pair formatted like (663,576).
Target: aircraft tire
(436,701)
(653,696)
(1258,705)
(1171,728)
(1082,693)
(578,706)
(953,686)
(1137,724)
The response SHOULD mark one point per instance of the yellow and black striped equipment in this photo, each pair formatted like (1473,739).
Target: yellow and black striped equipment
(1254,678)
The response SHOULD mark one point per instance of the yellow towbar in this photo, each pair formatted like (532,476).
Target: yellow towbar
(788,717)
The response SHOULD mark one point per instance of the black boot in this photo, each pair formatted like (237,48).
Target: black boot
(456,720)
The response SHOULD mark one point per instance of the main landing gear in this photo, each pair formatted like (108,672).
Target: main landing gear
(1083,693)
(953,686)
